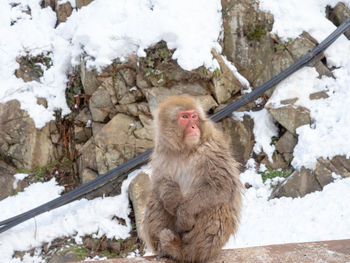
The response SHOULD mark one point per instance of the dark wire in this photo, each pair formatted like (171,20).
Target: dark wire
(144,157)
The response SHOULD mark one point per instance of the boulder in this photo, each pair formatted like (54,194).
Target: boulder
(297,184)
(291,117)
(207,102)
(6,180)
(116,142)
(100,103)
(88,175)
(82,126)
(126,94)
(20,142)
(225,83)
(89,78)
(339,14)
(87,158)
(247,42)
(63,11)
(133,109)
(240,136)
(27,71)
(300,46)
(318,95)
(306,181)
(81,3)
(325,169)
(278,161)
(285,145)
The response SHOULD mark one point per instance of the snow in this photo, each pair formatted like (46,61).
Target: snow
(109,29)
(102,31)
(330,116)
(18,177)
(323,215)
(77,219)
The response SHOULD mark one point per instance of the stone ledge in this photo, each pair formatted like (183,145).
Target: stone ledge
(337,251)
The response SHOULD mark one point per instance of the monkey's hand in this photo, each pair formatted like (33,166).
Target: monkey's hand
(184,220)
(171,196)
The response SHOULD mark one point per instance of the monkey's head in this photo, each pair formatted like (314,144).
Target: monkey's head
(180,124)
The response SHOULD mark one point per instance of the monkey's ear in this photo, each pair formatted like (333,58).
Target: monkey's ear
(202,114)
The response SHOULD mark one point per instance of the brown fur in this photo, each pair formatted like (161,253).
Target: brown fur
(195,202)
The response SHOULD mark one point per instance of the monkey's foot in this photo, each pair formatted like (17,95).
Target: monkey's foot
(170,243)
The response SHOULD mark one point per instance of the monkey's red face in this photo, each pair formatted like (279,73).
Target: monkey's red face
(189,120)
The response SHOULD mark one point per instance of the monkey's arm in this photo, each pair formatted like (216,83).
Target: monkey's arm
(170,194)
(215,190)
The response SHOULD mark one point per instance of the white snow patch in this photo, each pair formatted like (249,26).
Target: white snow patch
(77,219)
(288,220)
(18,177)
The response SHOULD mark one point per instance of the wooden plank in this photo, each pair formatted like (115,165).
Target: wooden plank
(333,251)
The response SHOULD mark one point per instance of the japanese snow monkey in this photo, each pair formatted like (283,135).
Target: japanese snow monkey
(195,201)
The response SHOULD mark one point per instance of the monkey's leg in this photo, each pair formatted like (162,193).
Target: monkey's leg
(210,233)
(171,244)
(156,219)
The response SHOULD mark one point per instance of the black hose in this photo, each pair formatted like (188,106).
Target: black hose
(144,157)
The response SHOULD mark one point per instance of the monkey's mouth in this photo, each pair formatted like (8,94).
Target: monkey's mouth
(192,137)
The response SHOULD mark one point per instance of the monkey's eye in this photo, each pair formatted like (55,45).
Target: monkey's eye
(194,116)
(184,116)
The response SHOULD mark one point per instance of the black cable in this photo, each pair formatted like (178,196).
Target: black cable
(144,157)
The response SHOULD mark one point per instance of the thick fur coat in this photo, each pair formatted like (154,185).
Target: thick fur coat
(195,202)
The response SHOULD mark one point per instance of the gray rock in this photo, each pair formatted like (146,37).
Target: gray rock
(100,104)
(129,76)
(306,181)
(20,142)
(225,83)
(63,11)
(139,190)
(96,127)
(156,95)
(286,144)
(116,142)
(6,180)
(27,72)
(83,117)
(87,157)
(81,3)
(126,94)
(65,257)
(247,42)
(325,168)
(318,95)
(339,14)
(291,117)
(240,135)
(300,46)
(297,184)
(141,82)
(147,131)
(133,109)
(82,126)
(207,102)
(278,161)
(89,78)
(88,175)
(82,134)
(42,101)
